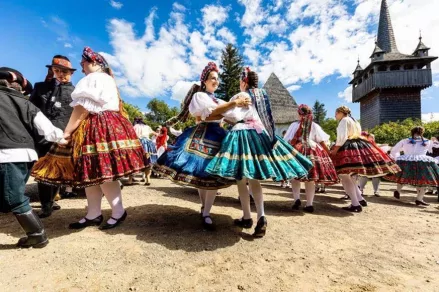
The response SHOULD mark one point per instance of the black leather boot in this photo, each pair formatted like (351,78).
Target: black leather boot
(47,194)
(32,225)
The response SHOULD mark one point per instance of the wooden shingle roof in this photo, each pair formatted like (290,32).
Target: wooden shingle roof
(283,105)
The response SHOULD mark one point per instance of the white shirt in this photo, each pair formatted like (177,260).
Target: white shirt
(96,92)
(44,127)
(412,151)
(347,129)
(248,114)
(316,135)
(143,131)
(202,106)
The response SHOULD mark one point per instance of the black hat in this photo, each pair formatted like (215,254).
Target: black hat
(61,62)
(25,84)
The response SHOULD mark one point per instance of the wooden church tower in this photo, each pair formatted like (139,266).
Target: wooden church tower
(389,88)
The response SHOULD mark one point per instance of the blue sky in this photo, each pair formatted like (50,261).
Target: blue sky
(158,48)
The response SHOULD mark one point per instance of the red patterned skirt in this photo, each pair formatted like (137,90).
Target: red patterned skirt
(358,156)
(323,170)
(104,148)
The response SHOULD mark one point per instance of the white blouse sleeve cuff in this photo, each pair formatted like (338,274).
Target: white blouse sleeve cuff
(45,127)
(88,104)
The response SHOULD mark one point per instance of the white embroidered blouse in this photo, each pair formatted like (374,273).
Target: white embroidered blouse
(202,105)
(348,128)
(96,92)
(316,136)
(249,115)
(411,151)
(143,131)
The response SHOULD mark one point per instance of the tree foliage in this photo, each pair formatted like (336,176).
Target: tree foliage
(132,110)
(393,132)
(319,112)
(159,112)
(330,127)
(231,66)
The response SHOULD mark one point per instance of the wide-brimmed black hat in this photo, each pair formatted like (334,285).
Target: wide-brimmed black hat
(25,84)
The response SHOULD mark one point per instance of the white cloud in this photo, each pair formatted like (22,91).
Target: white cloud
(436,84)
(178,7)
(180,89)
(346,95)
(165,59)
(115,4)
(61,29)
(227,35)
(294,88)
(213,16)
(430,117)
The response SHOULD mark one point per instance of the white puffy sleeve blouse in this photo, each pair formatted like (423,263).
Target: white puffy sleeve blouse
(96,92)
(348,128)
(202,105)
(316,136)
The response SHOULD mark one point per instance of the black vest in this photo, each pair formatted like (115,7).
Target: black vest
(54,101)
(16,120)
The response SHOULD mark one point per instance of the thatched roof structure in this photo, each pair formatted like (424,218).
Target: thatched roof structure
(283,105)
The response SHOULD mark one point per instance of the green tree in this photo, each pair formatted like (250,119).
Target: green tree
(159,112)
(319,112)
(132,110)
(231,66)
(330,127)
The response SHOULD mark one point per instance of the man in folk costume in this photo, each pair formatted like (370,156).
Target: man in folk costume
(19,122)
(309,139)
(53,97)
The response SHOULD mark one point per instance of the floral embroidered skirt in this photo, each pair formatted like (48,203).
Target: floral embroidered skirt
(358,156)
(104,148)
(150,149)
(247,154)
(323,170)
(185,162)
(419,171)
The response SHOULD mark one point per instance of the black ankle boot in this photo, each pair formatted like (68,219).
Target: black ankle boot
(363,203)
(244,223)
(31,224)
(261,227)
(421,203)
(46,210)
(397,195)
(308,209)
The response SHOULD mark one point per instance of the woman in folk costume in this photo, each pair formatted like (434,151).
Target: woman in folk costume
(418,169)
(353,154)
(162,141)
(309,139)
(144,133)
(376,181)
(252,152)
(103,145)
(185,162)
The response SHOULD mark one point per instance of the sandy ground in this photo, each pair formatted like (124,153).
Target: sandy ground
(391,246)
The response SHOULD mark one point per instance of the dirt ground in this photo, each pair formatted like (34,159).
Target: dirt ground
(391,246)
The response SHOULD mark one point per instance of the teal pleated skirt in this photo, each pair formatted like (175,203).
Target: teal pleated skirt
(247,154)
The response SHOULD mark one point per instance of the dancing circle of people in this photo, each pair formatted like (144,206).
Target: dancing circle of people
(84,139)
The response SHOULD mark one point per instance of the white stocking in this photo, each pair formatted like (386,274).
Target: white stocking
(202,194)
(421,193)
(258,197)
(376,181)
(310,191)
(362,182)
(295,188)
(208,203)
(399,188)
(244,198)
(350,187)
(94,199)
(113,194)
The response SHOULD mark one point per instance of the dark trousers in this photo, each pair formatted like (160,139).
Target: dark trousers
(46,193)
(13,179)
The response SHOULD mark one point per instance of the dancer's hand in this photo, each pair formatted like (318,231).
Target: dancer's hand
(243,101)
